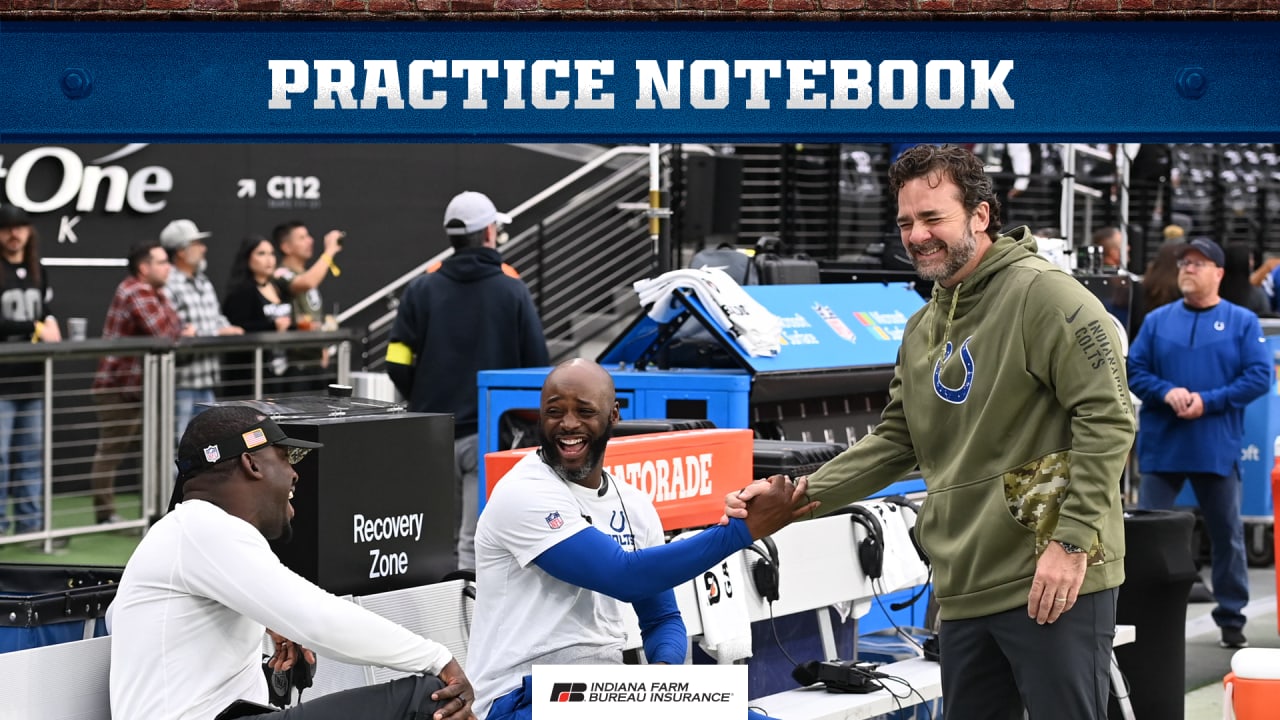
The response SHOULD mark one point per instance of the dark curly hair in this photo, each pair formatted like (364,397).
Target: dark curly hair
(956,164)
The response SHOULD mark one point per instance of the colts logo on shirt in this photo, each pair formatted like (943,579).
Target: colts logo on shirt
(554,521)
(956,395)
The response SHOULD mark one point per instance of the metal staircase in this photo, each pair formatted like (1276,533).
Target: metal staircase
(590,241)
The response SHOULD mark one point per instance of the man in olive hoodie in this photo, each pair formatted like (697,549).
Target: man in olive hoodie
(1010,396)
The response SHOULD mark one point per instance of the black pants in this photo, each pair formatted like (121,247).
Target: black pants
(995,666)
(407,698)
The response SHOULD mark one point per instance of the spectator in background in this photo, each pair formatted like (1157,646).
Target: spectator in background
(1159,284)
(1112,244)
(196,302)
(1196,365)
(1117,296)
(25,317)
(296,245)
(139,308)
(1237,286)
(466,317)
(1261,278)
(1268,278)
(257,301)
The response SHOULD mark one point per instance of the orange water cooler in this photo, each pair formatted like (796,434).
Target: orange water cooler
(1252,688)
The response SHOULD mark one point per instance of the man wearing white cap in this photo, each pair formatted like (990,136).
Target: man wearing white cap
(192,295)
(466,317)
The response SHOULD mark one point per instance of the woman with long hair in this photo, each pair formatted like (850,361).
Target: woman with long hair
(258,302)
(1159,284)
(1236,286)
(25,317)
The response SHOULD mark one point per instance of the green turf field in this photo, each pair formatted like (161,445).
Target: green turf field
(102,548)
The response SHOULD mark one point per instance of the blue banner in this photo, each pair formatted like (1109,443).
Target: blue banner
(836,326)
(824,327)
(626,82)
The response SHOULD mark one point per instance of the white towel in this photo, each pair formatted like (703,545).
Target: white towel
(755,328)
(722,607)
(726,624)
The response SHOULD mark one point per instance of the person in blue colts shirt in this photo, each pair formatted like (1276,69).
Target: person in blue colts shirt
(562,544)
(1196,365)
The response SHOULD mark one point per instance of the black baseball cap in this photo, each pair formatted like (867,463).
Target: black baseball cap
(13,216)
(260,434)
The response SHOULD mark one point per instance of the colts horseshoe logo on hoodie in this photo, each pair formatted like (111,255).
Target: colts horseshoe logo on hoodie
(958,395)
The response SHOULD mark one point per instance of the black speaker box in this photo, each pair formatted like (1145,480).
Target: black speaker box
(713,197)
(376,507)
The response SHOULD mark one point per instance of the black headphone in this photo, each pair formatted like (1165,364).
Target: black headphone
(870,548)
(764,572)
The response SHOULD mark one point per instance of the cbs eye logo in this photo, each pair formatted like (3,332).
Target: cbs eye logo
(568,692)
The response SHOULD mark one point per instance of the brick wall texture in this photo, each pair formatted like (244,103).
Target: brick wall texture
(641,10)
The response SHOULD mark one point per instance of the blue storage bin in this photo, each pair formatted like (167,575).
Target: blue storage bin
(49,604)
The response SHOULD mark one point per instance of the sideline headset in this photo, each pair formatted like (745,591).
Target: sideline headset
(764,572)
(902,501)
(871,547)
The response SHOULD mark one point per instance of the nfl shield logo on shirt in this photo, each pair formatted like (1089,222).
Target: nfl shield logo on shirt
(211,454)
(554,521)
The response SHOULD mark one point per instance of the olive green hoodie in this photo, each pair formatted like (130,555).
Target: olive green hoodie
(1010,395)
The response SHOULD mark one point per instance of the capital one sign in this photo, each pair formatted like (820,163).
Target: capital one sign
(83,187)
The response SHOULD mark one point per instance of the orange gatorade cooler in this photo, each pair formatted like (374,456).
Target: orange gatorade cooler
(686,473)
(1252,688)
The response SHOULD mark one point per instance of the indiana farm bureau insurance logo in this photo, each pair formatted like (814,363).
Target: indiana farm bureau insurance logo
(568,692)
(639,692)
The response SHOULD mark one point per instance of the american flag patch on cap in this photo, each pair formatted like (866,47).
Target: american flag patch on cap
(254,438)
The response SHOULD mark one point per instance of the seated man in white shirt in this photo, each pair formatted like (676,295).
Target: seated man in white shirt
(203,585)
(562,544)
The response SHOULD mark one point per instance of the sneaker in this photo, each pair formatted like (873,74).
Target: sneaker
(58,543)
(114,518)
(1233,638)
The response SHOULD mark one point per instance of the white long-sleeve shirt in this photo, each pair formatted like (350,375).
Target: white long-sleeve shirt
(188,619)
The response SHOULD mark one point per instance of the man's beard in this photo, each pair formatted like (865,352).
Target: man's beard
(956,257)
(594,456)
(284,534)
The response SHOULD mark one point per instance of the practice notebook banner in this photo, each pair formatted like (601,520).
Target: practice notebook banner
(448,82)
